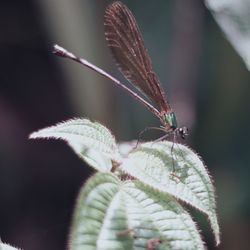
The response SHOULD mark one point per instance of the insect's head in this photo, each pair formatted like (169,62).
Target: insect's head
(183,132)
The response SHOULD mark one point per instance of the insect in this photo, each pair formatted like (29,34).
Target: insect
(126,44)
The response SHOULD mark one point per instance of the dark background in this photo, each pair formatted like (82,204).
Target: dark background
(205,80)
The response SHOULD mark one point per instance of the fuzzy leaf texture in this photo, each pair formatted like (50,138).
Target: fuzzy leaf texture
(175,169)
(111,214)
(107,207)
(4,246)
(91,141)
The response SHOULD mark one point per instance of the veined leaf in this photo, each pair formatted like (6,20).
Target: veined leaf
(90,140)
(176,170)
(111,214)
(105,214)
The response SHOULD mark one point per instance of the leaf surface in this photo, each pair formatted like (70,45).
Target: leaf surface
(111,214)
(91,141)
(176,170)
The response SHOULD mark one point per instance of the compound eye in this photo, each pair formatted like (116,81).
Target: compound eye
(183,132)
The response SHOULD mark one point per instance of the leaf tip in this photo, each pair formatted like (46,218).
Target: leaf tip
(32,135)
(36,135)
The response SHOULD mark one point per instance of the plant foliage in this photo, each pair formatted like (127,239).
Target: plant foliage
(135,201)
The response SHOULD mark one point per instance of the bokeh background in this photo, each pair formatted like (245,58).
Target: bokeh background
(205,80)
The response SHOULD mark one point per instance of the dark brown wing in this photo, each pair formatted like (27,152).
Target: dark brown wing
(126,43)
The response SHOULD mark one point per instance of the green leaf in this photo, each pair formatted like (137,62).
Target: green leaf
(7,247)
(176,170)
(234,19)
(111,214)
(93,142)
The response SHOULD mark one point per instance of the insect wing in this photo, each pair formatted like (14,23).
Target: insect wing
(126,43)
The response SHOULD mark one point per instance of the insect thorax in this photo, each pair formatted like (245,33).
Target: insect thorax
(170,119)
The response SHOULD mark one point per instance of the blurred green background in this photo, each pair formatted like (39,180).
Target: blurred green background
(205,80)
